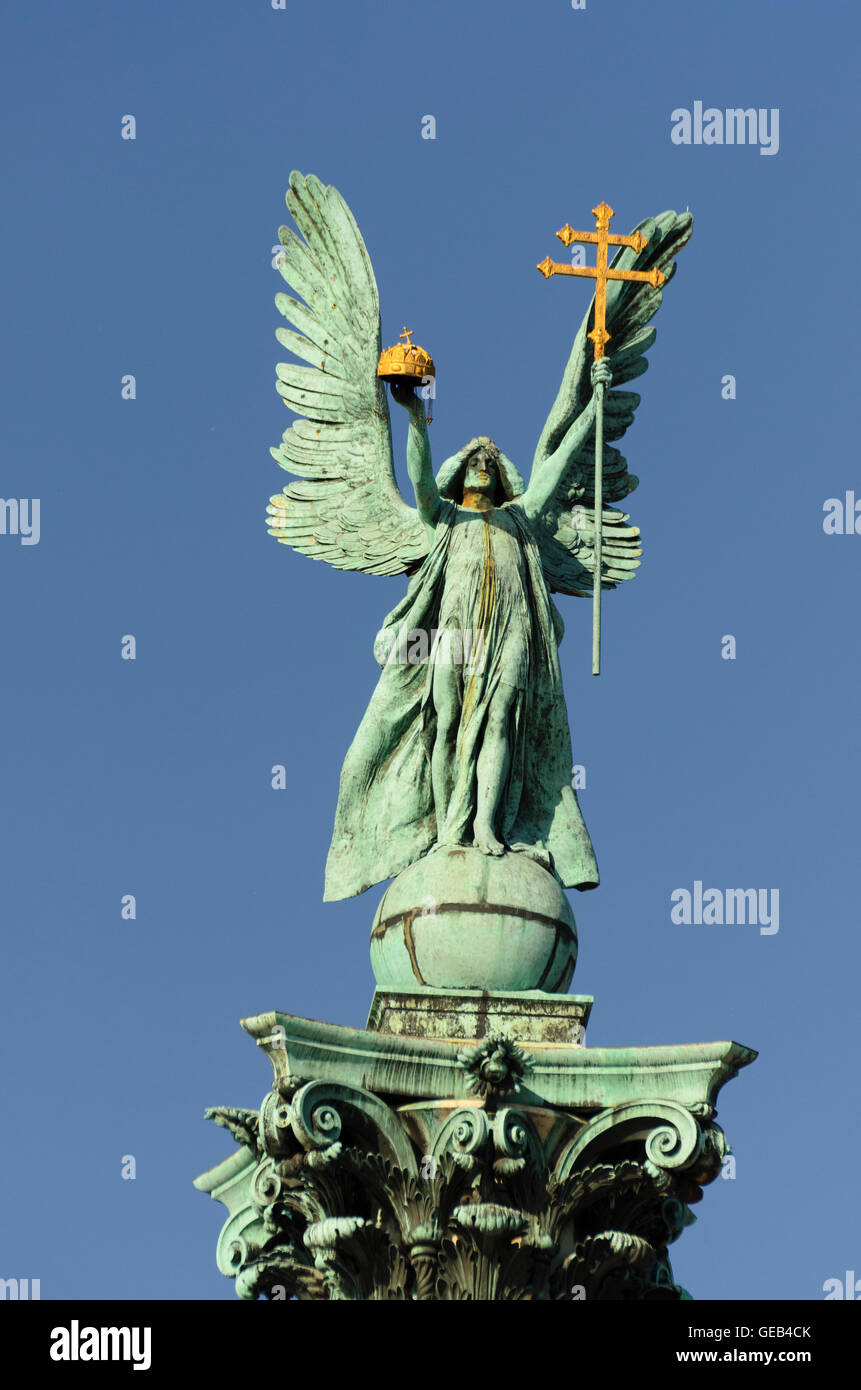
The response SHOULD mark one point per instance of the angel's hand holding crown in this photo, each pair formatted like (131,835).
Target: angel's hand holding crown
(403,393)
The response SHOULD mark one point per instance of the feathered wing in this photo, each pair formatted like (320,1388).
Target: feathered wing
(347,509)
(566,531)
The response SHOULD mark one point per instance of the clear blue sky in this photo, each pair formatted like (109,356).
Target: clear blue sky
(152,777)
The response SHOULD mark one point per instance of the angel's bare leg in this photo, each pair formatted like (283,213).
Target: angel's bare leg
(446,701)
(493,763)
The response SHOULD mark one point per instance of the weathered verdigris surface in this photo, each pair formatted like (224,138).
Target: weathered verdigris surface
(411,1168)
(460,919)
(466,1144)
(453,750)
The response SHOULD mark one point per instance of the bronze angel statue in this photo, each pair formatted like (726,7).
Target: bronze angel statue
(465,740)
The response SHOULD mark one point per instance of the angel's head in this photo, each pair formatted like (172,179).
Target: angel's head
(481,474)
(483,470)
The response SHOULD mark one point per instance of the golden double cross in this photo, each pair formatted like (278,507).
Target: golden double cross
(601,271)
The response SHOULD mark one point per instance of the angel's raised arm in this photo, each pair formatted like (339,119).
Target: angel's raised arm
(419,465)
(549,473)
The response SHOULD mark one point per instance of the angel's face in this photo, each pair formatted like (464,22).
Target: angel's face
(481,473)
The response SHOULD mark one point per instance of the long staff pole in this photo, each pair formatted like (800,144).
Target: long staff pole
(599,528)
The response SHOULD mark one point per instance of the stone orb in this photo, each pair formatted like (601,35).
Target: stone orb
(460,919)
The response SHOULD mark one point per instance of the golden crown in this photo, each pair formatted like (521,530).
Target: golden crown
(405,359)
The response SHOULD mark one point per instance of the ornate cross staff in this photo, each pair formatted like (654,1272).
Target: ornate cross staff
(599,335)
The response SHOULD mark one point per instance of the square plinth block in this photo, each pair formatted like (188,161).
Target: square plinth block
(530,1015)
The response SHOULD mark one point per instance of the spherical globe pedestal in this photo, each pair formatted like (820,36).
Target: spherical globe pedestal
(460,919)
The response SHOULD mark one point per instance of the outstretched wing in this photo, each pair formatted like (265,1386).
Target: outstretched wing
(566,531)
(347,509)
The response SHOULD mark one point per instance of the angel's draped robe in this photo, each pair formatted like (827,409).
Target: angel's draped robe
(483,576)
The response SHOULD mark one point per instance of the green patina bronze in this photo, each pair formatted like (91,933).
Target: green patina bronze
(466,1144)
(410,1168)
(466,739)
(462,919)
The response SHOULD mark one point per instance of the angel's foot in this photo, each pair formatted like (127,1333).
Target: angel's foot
(486,841)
